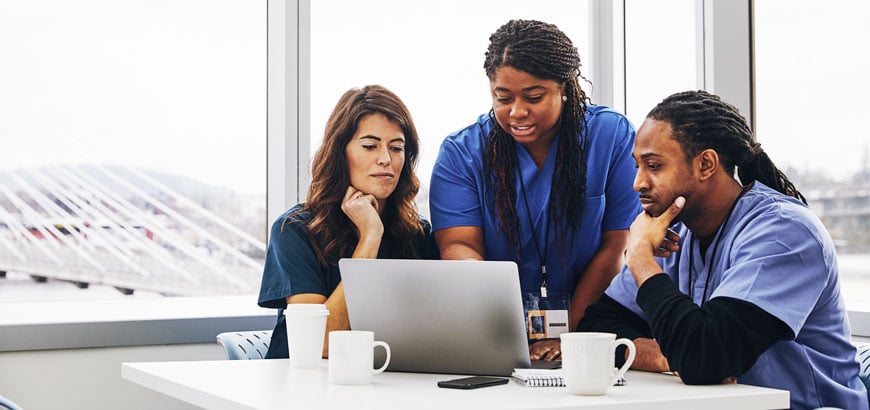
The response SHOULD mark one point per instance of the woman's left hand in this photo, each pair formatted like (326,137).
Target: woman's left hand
(549,349)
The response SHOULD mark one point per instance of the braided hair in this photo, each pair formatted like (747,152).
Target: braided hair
(543,51)
(701,120)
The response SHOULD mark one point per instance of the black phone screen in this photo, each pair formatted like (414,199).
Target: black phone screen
(472,382)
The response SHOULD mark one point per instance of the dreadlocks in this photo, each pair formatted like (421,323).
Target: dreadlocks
(544,51)
(701,120)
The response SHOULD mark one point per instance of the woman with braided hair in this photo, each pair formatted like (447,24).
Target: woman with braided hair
(744,287)
(543,179)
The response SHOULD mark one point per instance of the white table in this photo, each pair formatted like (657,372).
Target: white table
(273,384)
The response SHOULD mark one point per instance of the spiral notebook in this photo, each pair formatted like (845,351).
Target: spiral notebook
(539,377)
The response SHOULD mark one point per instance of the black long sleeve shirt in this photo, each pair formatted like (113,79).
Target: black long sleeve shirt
(705,345)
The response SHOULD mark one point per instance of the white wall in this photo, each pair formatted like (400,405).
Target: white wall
(68,354)
(91,378)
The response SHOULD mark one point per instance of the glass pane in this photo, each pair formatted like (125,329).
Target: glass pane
(133,137)
(811,88)
(429,53)
(660,56)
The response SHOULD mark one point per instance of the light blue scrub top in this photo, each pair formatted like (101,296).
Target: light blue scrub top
(459,197)
(775,253)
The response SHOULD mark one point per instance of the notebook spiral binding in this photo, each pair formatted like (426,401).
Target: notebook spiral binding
(539,378)
(546,378)
(545,381)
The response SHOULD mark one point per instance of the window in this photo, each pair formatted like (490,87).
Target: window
(810,98)
(134,148)
(429,53)
(660,48)
(172,94)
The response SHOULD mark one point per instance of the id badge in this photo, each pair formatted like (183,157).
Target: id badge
(546,317)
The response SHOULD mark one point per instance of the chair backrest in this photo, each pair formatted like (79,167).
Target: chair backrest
(8,404)
(864,363)
(245,345)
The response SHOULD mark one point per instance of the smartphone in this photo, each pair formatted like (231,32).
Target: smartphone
(473,382)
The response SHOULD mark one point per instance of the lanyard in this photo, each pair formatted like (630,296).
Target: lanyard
(712,260)
(715,245)
(542,256)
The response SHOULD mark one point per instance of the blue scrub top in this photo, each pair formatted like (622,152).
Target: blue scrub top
(459,197)
(774,253)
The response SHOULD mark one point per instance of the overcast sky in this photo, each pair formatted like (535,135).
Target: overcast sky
(175,86)
(179,85)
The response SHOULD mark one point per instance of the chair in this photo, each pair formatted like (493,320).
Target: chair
(245,345)
(8,404)
(864,364)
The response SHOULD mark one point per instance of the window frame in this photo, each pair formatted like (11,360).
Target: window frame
(288,94)
(724,46)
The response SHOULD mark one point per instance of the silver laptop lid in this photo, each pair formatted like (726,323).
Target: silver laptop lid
(459,317)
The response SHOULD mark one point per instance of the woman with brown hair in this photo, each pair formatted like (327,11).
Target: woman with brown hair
(360,205)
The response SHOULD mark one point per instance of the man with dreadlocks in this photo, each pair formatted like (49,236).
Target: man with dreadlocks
(751,294)
(543,179)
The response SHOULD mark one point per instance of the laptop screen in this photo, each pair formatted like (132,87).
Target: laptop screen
(438,316)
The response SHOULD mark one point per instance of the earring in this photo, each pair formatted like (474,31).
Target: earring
(564,98)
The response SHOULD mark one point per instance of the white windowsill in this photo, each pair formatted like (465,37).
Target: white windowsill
(859,318)
(138,322)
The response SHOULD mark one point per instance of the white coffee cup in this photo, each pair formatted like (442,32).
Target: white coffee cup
(306,328)
(588,361)
(351,356)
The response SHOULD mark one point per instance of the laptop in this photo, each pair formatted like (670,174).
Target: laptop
(440,316)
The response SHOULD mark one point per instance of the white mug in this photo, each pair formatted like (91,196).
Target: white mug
(306,327)
(588,361)
(352,355)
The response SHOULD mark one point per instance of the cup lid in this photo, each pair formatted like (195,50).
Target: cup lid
(307,309)
(305,306)
(308,313)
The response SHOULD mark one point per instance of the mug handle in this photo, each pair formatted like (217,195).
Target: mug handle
(632,350)
(387,360)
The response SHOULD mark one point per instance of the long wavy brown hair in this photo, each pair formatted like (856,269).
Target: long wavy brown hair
(332,233)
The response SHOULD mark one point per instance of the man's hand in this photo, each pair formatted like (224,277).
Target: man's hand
(649,237)
(649,356)
(669,245)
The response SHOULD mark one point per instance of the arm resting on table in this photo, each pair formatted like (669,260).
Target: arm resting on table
(706,345)
(610,316)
